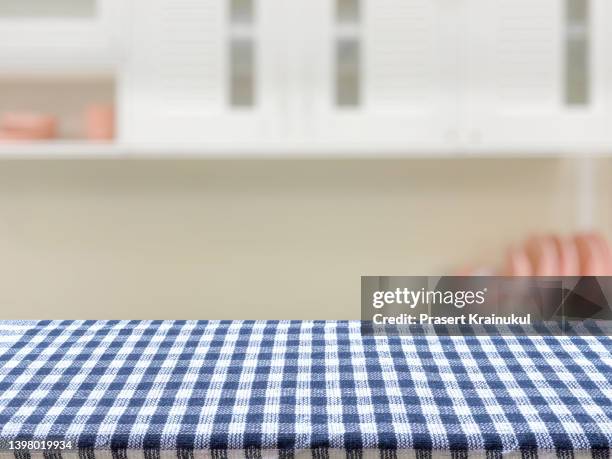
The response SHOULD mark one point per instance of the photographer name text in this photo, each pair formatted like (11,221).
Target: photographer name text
(462,319)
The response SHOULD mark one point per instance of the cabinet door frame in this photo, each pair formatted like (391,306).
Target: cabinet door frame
(316,119)
(556,125)
(146,118)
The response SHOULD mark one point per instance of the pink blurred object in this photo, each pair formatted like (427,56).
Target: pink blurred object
(595,254)
(542,256)
(606,254)
(10,136)
(100,122)
(582,254)
(517,263)
(28,126)
(567,255)
(592,262)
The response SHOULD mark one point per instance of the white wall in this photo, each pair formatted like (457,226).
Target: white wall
(256,239)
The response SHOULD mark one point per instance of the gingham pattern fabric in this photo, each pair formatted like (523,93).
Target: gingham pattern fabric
(300,386)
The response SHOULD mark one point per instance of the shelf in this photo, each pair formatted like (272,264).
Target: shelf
(78,150)
(83,150)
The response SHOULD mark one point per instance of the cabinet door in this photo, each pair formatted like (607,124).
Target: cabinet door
(376,73)
(539,73)
(59,35)
(201,72)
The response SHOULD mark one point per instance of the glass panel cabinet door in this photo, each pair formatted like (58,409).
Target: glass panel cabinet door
(540,72)
(377,72)
(203,72)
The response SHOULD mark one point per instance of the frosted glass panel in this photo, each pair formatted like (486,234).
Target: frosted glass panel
(578,11)
(241,11)
(347,11)
(577,59)
(242,63)
(348,54)
(47,8)
(577,90)
(347,73)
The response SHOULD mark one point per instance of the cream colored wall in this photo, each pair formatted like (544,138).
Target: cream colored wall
(256,239)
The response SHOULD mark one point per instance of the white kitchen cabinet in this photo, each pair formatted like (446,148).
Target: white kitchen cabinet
(203,72)
(380,72)
(60,35)
(369,75)
(466,75)
(539,74)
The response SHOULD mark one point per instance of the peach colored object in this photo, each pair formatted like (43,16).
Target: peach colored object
(29,126)
(567,255)
(542,255)
(606,253)
(100,122)
(592,261)
(14,136)
(517,263)
(597,251)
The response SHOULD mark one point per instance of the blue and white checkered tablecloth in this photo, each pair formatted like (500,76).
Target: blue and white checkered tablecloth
(300,386)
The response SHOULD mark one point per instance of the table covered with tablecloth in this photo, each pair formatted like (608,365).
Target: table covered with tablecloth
(294,388)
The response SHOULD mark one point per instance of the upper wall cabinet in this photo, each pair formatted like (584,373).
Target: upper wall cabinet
(59,35)
(539,72)
(383,72)
(496,74)
(386,74)
(204,71)
(309,72)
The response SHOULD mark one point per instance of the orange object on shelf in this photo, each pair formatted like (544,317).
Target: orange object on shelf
(28,126)
(100,122)
(14,136)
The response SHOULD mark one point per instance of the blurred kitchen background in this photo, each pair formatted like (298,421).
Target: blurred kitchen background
(254,158)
